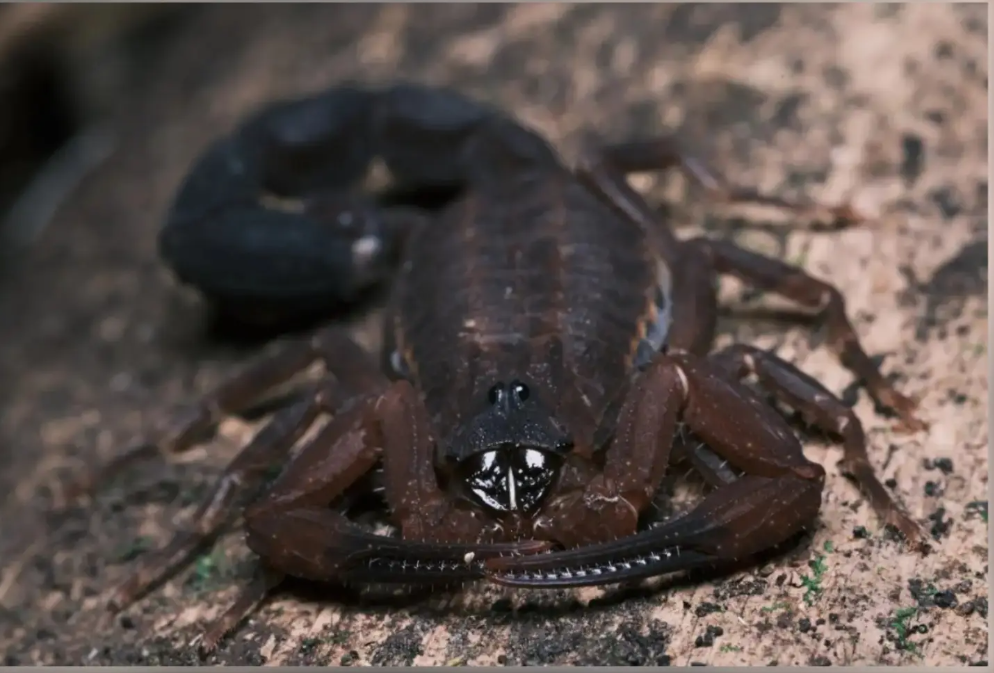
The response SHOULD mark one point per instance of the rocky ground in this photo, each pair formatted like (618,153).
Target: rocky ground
(886,105)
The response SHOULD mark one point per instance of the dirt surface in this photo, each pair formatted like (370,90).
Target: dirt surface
(882,104)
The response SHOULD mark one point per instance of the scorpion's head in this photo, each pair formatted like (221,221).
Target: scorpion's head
(508,455)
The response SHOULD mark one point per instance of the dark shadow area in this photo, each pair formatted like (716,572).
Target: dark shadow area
(55,87)
(945,293)
(964,275)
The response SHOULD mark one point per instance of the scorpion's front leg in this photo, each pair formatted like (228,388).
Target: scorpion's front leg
(792,283)
(696,262)
(600,164)
(609,505)
(823,409)
(778,495)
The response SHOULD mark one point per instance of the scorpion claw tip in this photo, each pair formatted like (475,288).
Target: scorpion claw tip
(209,642)
(904,407)
(913,534)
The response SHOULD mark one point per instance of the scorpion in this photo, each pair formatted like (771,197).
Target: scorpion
(547,342)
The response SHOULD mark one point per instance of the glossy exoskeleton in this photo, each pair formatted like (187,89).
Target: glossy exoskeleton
(547,339)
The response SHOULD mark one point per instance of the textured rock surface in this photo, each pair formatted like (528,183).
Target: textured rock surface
(883,104)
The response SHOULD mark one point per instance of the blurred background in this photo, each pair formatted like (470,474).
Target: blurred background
(65,72)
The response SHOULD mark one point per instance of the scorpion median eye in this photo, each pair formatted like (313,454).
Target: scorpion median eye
(521,391)
(496,392)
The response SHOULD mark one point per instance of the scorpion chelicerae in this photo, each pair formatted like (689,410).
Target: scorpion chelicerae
(547,341)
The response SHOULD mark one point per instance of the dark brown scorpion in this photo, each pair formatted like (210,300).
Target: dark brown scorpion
(547,340)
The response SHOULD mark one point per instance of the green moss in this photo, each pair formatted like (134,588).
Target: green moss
(978,506)
(776,606)
(900,624)
(812,583)
(207,570)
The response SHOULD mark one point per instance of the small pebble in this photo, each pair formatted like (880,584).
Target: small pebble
(943,50)
(705,609)
(914,158)
(944,465)
(502,605)
(940,525)
(947,202)
(944,599)
(965,609)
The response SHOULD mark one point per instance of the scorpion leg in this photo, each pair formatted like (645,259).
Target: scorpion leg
(346,359)
(772,275)
(635,463)
(606,169)
(821,408)
(664,152)
(248,468)
(277,526)
(254,461)
(778,496)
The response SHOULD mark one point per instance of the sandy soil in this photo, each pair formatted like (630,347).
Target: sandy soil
(882,104)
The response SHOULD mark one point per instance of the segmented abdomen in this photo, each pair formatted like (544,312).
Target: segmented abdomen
(489,289)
